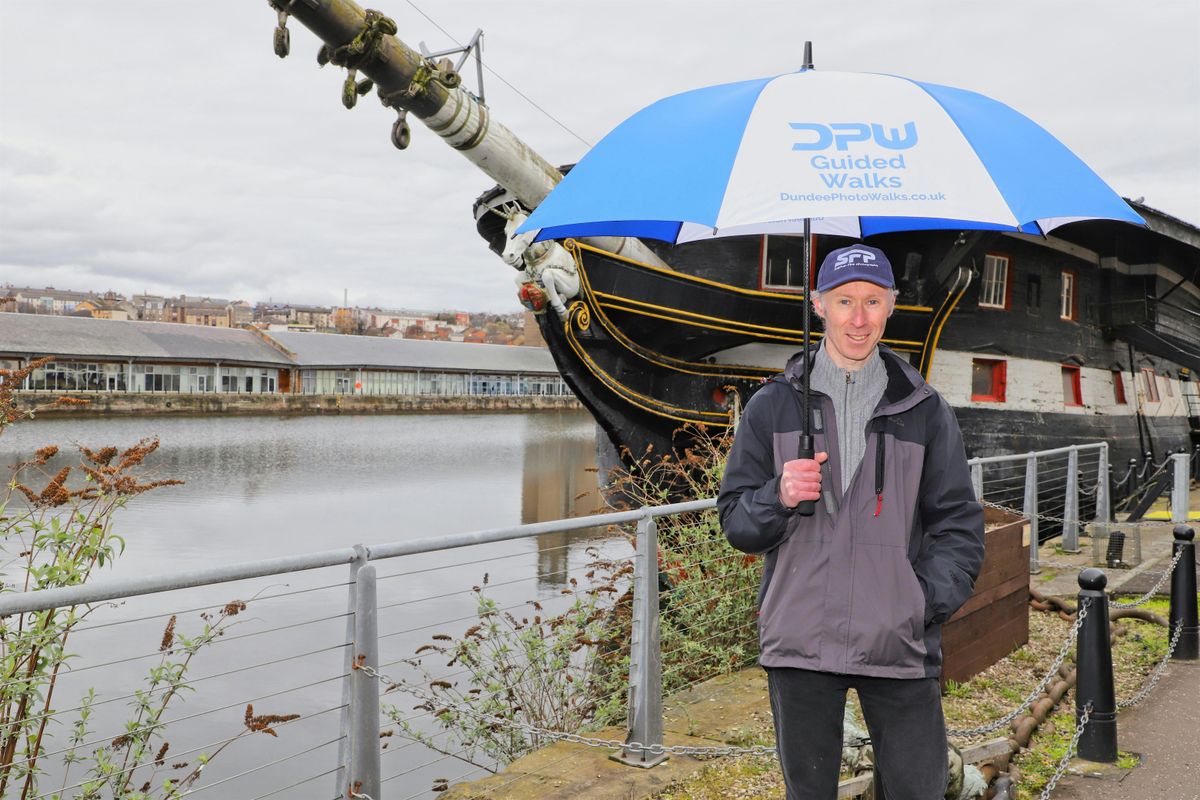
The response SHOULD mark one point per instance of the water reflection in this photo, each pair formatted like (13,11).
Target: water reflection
(262,487)
(559,481)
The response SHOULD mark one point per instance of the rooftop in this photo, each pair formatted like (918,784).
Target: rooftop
(27,335)
(31,335)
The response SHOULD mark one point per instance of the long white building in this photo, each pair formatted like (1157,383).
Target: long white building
(96,355)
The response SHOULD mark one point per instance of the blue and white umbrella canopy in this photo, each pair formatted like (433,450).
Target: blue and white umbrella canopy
(856,153)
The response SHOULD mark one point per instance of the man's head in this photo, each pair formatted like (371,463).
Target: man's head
(855,295)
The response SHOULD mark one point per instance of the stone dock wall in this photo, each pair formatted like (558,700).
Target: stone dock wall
(123,404)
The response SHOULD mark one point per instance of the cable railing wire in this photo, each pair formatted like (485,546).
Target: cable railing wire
(175,755)
(260,767)
(161,724)
(291,786)
(211,607)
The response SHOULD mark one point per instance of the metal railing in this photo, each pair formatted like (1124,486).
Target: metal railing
(295,661)
(1065,490)
(354,661)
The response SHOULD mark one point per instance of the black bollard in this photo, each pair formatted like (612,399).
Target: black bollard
(1131,483)
(1094,672)
(1183,596)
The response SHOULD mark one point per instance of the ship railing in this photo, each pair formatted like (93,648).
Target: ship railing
(1069,491)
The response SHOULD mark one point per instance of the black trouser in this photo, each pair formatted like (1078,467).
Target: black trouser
(904,718)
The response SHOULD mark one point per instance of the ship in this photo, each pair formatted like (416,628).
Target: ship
(1089,334)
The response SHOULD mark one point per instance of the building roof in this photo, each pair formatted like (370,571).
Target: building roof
(31,335)
(333,350)
(52,293)
(27,335)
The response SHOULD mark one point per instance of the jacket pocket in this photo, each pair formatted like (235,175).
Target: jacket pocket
(887,612)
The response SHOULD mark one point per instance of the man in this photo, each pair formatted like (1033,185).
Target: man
(854,595)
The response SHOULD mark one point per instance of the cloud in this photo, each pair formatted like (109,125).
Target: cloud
(172,150)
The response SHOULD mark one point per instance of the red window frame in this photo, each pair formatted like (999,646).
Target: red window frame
(1119,388)
(1071,382)
(998,380)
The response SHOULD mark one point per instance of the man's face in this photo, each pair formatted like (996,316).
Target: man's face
(855,314)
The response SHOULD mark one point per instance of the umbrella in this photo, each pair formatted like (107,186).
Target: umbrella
(851,154)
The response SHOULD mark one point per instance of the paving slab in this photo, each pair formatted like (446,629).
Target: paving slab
(1163,731)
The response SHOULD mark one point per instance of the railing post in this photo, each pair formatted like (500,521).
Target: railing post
(1183,596)
(1031,510)
(1179,491)
(645,656)
(1103,488)
(1131,484)
(1071,503)
(977,480)
(360,560)
(1094,673)
(364,703)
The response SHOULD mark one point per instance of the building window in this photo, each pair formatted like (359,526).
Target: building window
(988,380)
(1118,388)
(1150,385)
(783,262)
(993,292)
(1033,294)
(1067,305)
(1072,393)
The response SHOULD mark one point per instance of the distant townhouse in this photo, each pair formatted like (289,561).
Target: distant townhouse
(148,307)
(207,311)
(49,300)
(239,314)
(316,317)
(110,306)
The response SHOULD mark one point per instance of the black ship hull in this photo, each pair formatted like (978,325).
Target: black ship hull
(655,352)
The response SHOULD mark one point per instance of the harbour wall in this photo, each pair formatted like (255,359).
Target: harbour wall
(213,404)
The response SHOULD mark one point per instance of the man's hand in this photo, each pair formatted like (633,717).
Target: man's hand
(801,480)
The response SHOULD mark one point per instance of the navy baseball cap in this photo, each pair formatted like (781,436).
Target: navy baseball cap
(858,262)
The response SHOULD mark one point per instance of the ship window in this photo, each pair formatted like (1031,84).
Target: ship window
(1167,383)
(1033,294)
(1150,385)
(1068,304)
(1118,388)
(993,291)
(988,380)
(783,262)
(1072,393)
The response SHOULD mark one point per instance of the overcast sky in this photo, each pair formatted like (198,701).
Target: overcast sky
(162,146)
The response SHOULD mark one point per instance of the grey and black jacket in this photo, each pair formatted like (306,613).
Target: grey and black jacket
(862,590)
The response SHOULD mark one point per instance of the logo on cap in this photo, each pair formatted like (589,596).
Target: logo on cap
(852,257)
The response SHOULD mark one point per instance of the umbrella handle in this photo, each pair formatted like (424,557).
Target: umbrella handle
(806,508)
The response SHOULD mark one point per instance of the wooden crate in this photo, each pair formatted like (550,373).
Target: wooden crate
(995,620)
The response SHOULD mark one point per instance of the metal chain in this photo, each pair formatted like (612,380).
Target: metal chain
(1158,671)
(1153,591)
(1059,520)
(575,738)
(1067,756)
(970,733)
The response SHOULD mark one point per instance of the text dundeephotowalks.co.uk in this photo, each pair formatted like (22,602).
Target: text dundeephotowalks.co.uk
(833,197)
